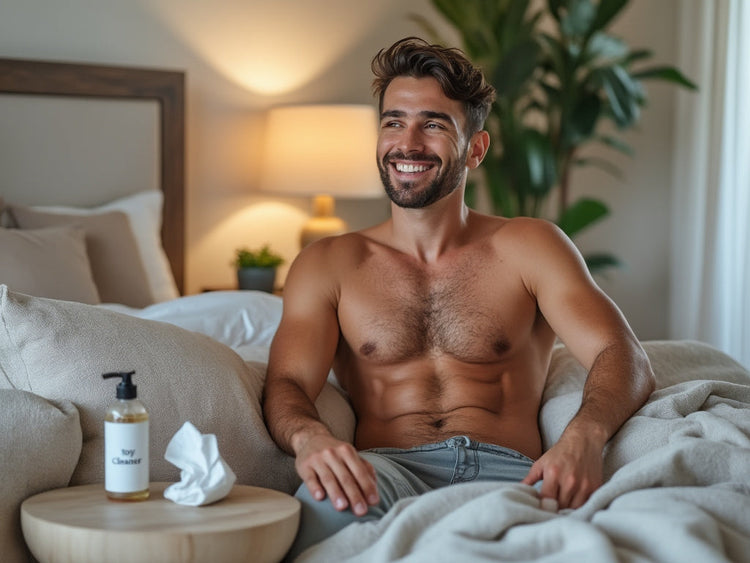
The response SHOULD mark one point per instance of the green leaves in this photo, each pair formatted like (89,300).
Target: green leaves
(515,68)
(608,10)
(666,73)
(621,92)
(263,257)
(529,163)
(600,261)
(578,17)
(580,215)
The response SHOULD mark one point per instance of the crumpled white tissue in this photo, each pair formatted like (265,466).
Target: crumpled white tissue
(204,477)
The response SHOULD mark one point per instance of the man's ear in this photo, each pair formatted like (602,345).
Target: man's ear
(478,147)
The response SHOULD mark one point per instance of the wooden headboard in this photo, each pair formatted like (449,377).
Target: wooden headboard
(167,88)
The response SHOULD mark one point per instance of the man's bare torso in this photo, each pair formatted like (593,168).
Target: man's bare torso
(433,350)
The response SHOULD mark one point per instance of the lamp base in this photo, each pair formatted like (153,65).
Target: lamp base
(323,223)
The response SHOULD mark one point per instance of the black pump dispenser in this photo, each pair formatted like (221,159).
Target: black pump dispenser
(126,389)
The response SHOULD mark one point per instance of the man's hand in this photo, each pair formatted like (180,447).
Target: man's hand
(331,467)
(570,471)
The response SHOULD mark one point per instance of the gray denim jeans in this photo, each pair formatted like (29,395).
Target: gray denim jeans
(405,473)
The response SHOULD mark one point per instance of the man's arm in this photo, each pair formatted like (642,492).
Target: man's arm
(301,356)
(619,379)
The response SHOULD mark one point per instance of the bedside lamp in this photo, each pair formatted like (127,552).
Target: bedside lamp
(323,151)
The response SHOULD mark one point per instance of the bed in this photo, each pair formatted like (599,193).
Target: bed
(678,472)
(114,136)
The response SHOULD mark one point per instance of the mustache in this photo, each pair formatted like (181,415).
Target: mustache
(415,157)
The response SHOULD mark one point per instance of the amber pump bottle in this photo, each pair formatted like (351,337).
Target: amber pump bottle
(126,459)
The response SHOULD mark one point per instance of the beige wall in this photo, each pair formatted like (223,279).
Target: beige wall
(242,57)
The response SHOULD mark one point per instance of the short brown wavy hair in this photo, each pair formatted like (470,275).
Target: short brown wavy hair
(458,77)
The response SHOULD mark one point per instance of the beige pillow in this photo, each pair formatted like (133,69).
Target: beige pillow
(181,376)
(115,260)
(47,263)
(144,210)
(40,444)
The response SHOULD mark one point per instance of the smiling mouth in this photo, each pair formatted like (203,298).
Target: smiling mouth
(411,168)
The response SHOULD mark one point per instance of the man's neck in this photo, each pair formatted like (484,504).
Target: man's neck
(428,233)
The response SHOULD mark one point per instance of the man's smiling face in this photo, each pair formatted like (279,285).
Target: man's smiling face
(422,145)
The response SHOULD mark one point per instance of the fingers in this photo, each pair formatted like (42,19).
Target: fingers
(364,476)
(570,487)
(534,475)
(341,474)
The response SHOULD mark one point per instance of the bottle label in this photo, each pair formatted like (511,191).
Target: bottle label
(126,463)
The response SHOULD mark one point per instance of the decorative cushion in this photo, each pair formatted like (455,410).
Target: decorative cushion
(115,260)
(40,443)
(48,263)
(144,209)
(59,350)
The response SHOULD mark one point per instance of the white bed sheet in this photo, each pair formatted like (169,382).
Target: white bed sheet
(243,320)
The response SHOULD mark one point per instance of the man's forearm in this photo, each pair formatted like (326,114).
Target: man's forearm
(619,383)
(290,415)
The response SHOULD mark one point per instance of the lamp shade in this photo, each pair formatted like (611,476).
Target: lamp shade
(321,149)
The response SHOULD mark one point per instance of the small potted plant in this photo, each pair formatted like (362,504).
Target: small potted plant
(256,269)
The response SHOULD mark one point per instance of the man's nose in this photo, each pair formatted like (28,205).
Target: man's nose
(412,139)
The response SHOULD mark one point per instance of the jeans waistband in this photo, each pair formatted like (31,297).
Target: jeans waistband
(453,443)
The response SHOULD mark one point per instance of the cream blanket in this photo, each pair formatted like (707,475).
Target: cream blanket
(678,485)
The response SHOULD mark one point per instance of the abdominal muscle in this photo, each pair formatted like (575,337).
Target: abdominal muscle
(424,402)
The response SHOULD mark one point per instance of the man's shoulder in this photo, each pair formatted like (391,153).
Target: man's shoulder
(530,224)
(335,253)
(533,243)
(350,243)
(527,230)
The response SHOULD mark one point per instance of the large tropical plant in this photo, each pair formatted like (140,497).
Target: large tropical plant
(560,77)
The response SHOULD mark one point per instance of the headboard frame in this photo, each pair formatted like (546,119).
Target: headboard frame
(167,88)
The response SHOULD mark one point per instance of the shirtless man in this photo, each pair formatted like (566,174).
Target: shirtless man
(439,323)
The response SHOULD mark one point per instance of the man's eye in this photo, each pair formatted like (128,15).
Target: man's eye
(433,125)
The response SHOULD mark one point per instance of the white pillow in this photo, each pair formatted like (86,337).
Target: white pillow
(238,319)
(144,211)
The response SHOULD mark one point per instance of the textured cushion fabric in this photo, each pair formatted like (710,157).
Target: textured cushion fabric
(116,263)
(144,209)
(59,350)
(48,263)
(40,444)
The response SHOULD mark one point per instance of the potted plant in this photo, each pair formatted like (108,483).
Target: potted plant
(560,76)
(256,269)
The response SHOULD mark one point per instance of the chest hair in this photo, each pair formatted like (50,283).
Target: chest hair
(416,315)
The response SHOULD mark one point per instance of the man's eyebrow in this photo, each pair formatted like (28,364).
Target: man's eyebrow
(424,113)
(392,113)
(436,115)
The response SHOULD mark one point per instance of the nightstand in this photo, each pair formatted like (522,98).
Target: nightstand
(81,525)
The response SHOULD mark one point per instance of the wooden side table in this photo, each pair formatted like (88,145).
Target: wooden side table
(80,524)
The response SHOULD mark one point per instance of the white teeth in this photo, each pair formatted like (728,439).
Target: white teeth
(411,167)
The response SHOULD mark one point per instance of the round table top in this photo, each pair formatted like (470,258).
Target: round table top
(247,523)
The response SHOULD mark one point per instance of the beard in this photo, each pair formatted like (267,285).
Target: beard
(406,195)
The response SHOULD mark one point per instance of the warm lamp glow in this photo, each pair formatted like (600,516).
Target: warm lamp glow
(322,151)
(271,48)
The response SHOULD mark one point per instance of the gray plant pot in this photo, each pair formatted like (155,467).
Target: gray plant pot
(260,279)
